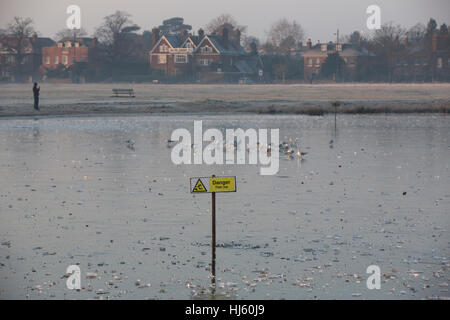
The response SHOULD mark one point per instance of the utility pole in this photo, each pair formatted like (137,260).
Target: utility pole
(337,52)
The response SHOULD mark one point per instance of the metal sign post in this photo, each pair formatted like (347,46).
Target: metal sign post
(213,237)
(213,185)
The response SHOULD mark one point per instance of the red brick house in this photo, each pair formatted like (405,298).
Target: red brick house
(216,57)
(30,57)
(172,54)
(420,64)
(69,51)
(315,56)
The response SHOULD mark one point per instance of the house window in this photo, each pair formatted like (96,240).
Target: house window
(60,44)
(65,60)
(179,58)
(189,45)
(56,60)
(206,49)
(205,62)
(47,60)
(439,63)
(162,59)
(310,62)
(11,60)
(164,48)
(317,62)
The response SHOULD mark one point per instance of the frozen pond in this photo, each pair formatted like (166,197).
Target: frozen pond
(73,192)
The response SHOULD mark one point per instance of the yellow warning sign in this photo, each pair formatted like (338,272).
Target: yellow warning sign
(223,184)
(213,184)
(199,187)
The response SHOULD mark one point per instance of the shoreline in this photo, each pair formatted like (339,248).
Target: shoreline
(231,107)
(95,99)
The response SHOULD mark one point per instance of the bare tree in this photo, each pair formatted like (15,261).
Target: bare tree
(355,37)
(117,34)
(215,23)
(249,41)
(19,29)
(416,34)
(388,42)
(68,33)
(284,35)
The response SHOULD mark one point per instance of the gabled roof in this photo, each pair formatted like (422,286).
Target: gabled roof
(222,47)
(207,38)
(177,41)
(159,41)
(194,40)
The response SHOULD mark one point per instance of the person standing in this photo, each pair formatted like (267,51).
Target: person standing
(36,90)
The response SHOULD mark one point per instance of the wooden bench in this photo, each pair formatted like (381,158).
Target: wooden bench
(123,92)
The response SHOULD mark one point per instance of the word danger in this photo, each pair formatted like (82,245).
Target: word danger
(220,152)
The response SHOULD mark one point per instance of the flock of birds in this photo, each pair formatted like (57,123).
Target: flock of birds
(289,149)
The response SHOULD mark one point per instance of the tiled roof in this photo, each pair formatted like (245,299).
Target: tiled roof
(226,48)
(348,50)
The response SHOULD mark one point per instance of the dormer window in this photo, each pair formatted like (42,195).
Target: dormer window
(68,44)
(60,45)
(323,47)
(164,48)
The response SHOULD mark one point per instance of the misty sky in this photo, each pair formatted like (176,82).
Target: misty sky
(319,18)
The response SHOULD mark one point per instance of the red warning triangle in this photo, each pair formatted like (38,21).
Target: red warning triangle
(199,187)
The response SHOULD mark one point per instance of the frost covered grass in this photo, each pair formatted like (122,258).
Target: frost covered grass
(74,99)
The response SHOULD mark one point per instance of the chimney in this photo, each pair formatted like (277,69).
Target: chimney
(184,33)
(155,36)
(201,33)
(253,49)
(308,44)
(434,42)
(94,42)
(237,39)
(224,33)
(406,41)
